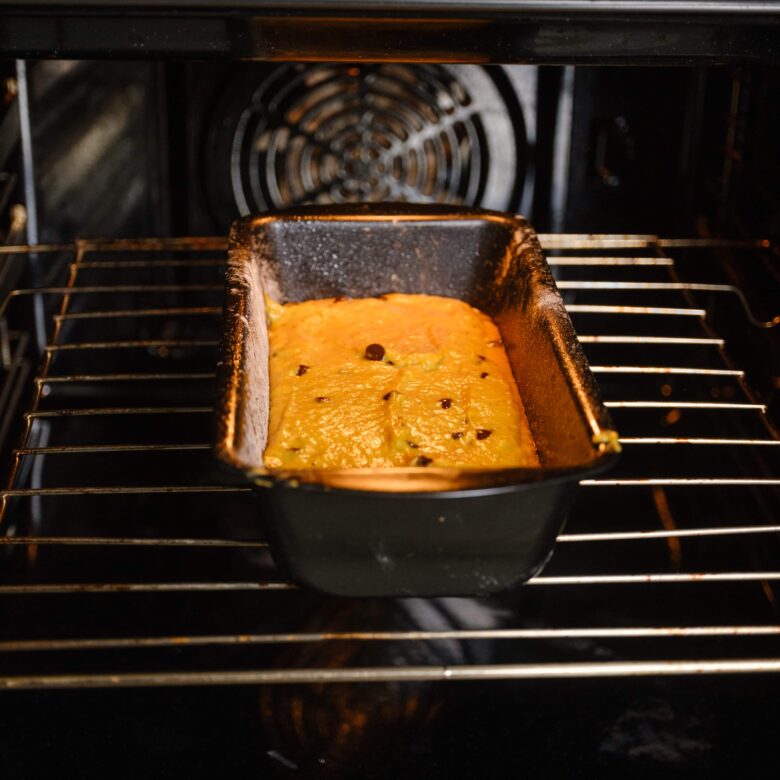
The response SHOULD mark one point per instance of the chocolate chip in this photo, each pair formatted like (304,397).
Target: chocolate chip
(387,396)
(482,357)
(301,370)
(375,352)
(320,398)
(483,374)
(457,434)
(294,449)
(390,363)
(483,433)
(422,460)
(413,445)
(446,403)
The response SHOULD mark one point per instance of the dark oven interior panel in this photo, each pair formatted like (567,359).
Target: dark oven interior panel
(99,149)
(614,32)
(130,560)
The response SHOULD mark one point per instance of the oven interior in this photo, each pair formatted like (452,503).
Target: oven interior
(132,565)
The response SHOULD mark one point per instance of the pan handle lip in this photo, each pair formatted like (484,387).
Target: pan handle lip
(389,211)
(493,481)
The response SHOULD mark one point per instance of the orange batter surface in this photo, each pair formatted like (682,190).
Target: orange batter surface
(397,380)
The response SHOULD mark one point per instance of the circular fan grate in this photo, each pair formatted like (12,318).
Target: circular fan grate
(357,133)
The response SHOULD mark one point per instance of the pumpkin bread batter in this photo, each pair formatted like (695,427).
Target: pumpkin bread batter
(396,380)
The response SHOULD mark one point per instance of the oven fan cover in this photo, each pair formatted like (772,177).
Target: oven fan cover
(303,133)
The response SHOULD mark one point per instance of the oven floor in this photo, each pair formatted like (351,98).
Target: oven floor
(579,729)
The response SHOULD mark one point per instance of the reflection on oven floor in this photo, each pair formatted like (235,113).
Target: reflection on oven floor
(324,730)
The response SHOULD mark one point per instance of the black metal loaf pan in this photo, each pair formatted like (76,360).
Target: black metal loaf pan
(414,531)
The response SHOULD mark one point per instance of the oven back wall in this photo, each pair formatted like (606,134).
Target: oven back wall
(139,148)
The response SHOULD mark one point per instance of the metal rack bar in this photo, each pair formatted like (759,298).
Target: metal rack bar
(81,449)
(642,632)
(688,482)
(194,587)
(700,442)
(672,370)
(139,587)
(590,241)
(122,490)
(118,411)
(78,541)
(103,289)
(586,241)
(190,311)
(677,533)
(528,671)
(612,262)
(717,405)
(579,241)
(134,344)
(156,263)
(657,578)
(666,311)
(594,284)
(215,243)
(642,340)
(151,489)
(608,536)
(672,286)
(67,378)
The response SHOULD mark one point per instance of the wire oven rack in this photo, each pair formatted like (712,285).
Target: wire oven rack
(129,560)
